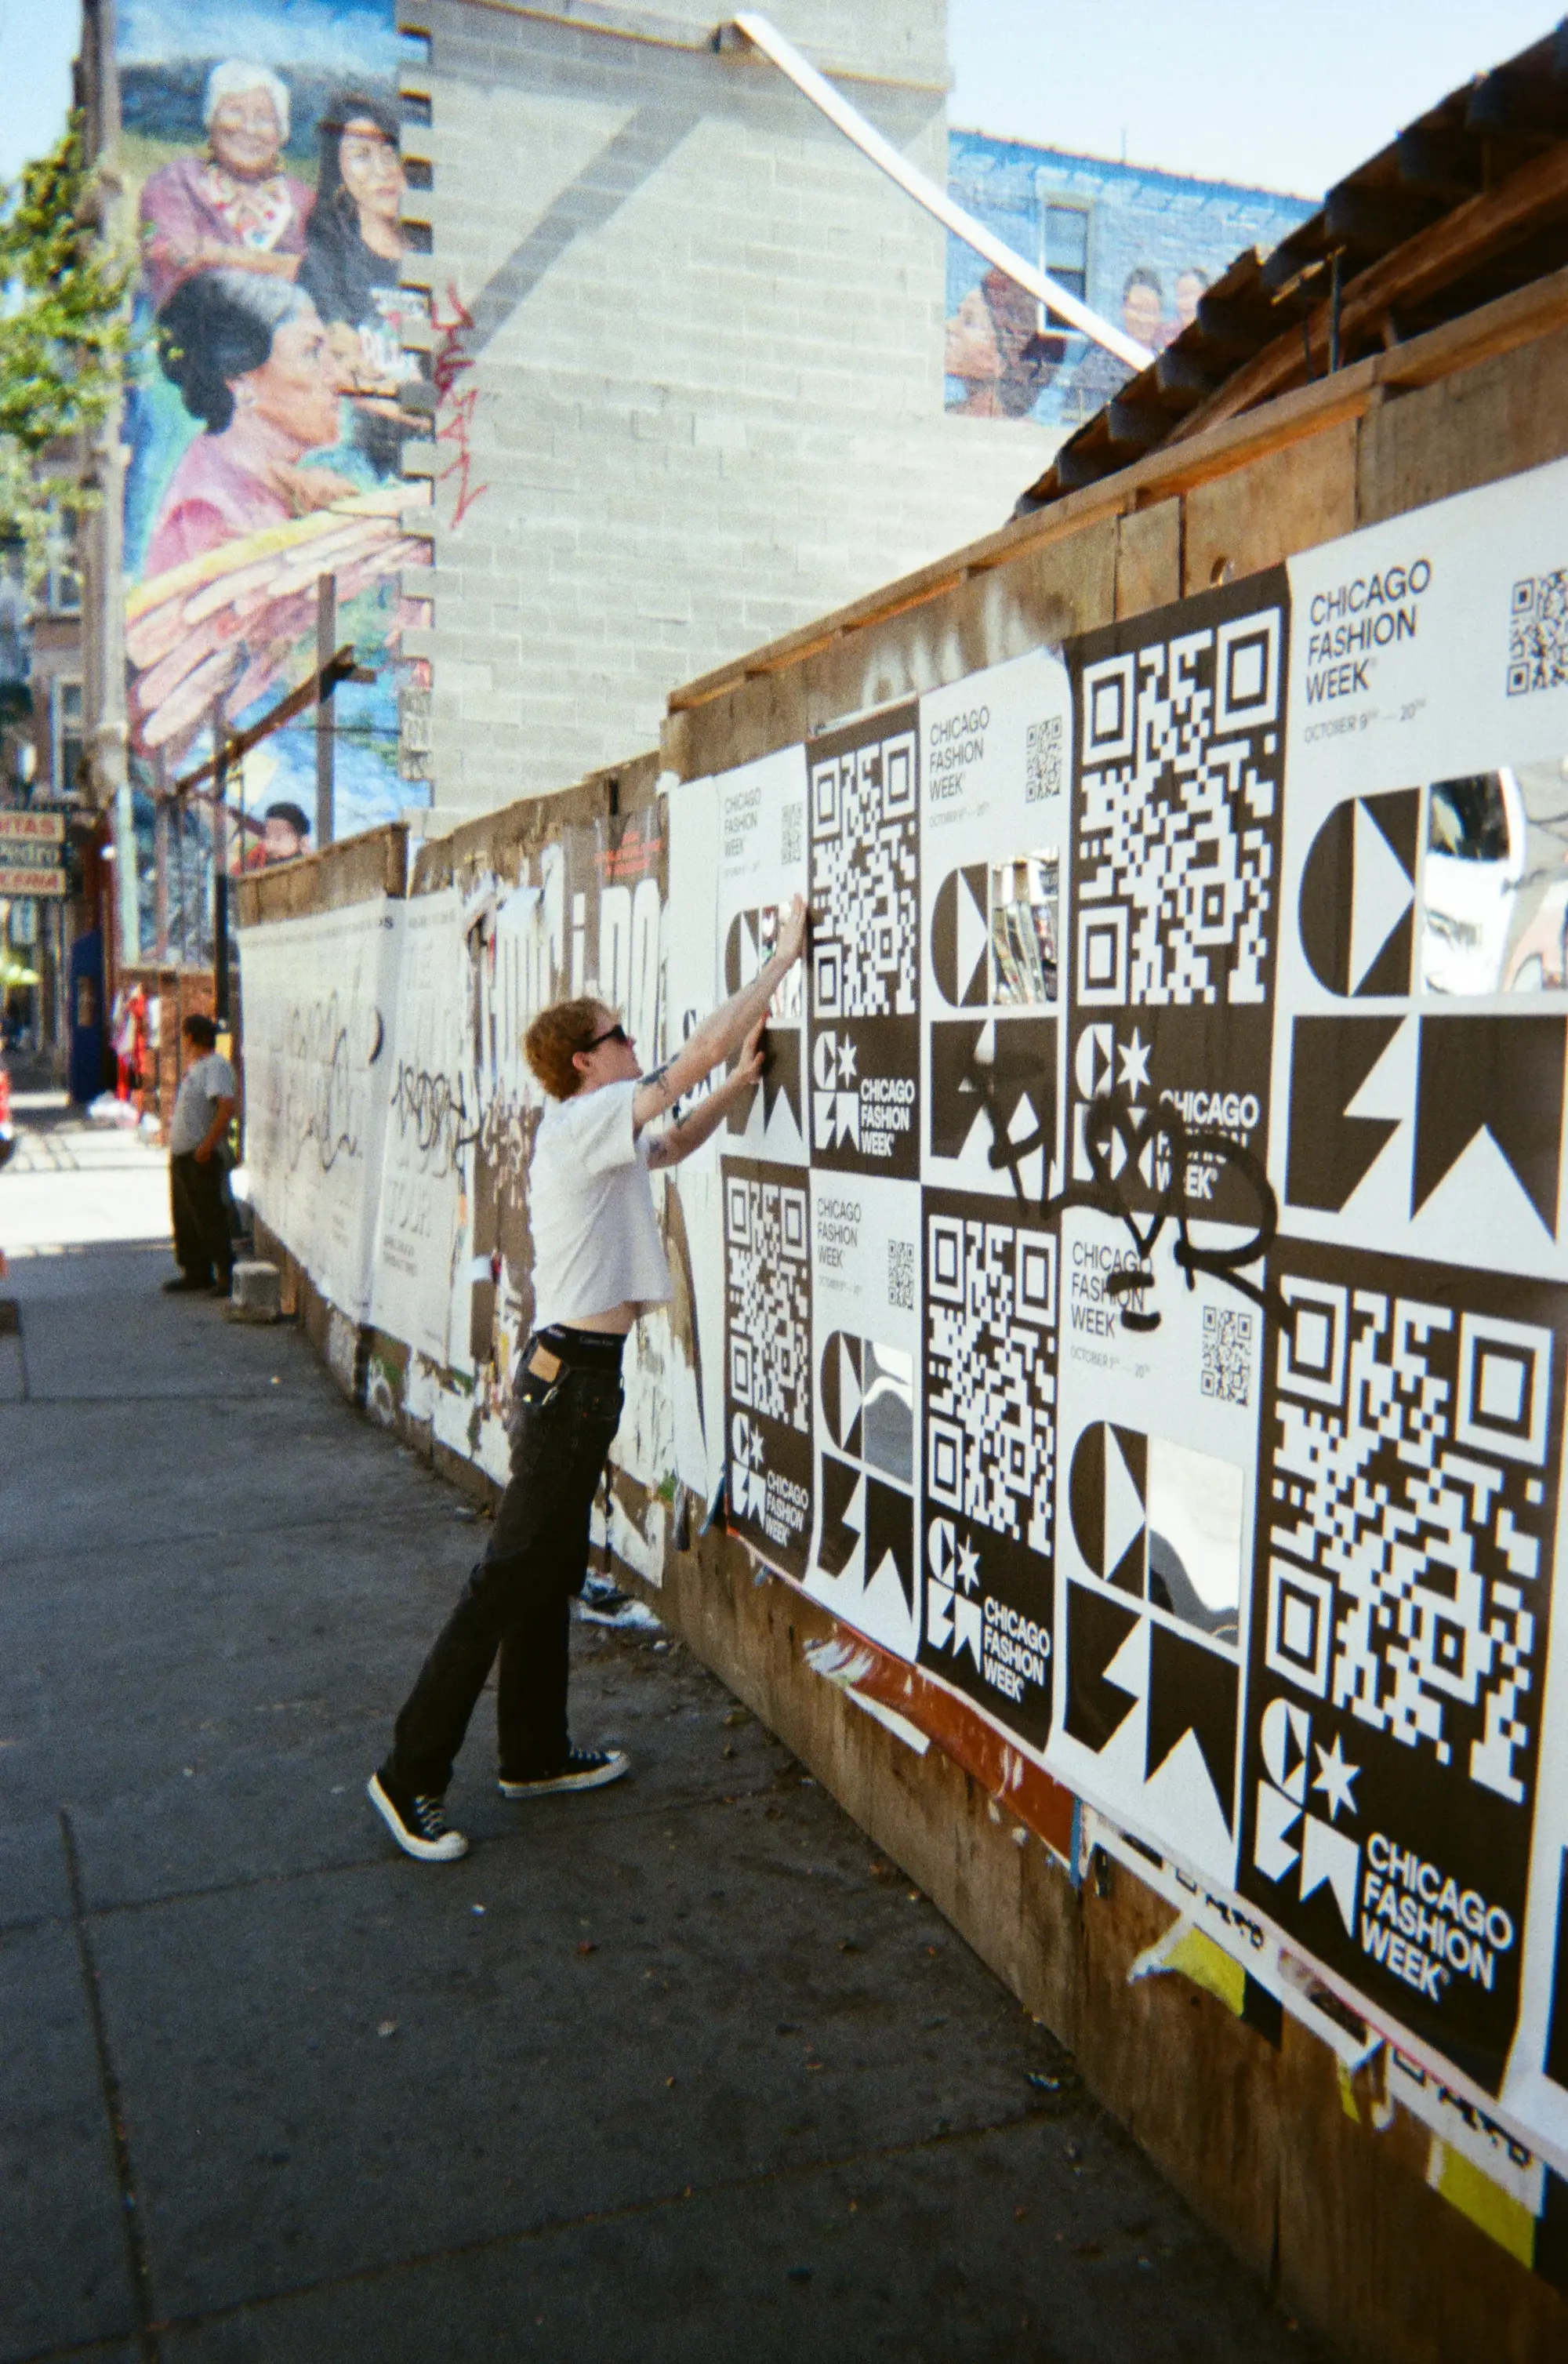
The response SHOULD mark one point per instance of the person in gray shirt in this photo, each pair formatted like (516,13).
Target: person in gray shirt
(198,1166)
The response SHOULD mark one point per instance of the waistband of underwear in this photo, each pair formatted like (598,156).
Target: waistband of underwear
(593,1350)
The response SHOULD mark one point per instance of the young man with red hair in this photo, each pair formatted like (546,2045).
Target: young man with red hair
(598,1264)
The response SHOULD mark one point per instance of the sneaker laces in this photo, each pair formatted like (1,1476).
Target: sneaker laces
(431,1821)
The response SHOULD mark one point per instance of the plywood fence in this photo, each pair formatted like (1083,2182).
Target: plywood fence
(1383,2203)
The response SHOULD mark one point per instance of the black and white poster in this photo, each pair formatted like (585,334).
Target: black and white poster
(996,754)
(1423,1022)
(988,1362)
(1422,1025)
(767,1358)
(761,866)
(1179,764)
(864,824)
(694,1191)
(1412,1424)
(865,1262)
(1156,1461)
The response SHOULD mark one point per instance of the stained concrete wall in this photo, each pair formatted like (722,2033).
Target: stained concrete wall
(707,350)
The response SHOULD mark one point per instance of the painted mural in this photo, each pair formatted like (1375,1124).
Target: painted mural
(1140,245)
(260,150)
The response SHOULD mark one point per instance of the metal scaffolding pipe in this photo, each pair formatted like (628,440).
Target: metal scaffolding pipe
(766,37)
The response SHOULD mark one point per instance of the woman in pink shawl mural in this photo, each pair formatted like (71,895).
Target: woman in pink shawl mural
(251,361)
(234,208)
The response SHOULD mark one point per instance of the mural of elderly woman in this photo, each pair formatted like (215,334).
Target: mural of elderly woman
(234,208)
(250,356)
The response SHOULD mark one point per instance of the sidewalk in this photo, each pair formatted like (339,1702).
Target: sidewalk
(677,2069)
(72,1183)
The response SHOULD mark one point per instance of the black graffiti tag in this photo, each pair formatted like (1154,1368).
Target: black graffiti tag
(320,1105)
(433,1109)
(1171,1147)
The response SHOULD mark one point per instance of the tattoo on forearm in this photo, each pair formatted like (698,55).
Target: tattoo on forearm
(653,1078)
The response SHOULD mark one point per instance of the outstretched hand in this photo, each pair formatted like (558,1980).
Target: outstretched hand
(792,932)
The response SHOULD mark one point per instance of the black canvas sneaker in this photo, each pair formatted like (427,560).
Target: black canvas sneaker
(417,1824)
(585,1768)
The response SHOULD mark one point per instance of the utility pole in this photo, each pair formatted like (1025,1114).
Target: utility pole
(162,818)
(108,730)
(220,863)
(325,648)
(160,879)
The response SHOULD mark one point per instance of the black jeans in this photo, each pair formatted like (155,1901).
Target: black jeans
(198,1204)
(518,1600)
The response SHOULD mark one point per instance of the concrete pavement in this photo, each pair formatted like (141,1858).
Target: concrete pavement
(72,1183)
(681,2069)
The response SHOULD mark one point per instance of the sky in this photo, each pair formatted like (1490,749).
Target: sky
(37,40)
(1279,97)
(1283,97)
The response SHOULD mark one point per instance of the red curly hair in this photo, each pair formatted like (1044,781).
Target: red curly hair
(556,1035)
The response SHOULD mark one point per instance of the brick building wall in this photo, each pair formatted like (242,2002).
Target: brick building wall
(705,401)
(1093,225)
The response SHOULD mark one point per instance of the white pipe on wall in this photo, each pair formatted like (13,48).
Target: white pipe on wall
(766,37)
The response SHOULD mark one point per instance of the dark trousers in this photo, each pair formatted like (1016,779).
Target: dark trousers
(518,1600)
(198,1202)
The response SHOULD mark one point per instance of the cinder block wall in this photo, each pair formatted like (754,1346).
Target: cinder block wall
(706,350)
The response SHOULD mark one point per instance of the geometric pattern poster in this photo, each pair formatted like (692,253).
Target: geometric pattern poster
(1135,1292)
(1164,1279)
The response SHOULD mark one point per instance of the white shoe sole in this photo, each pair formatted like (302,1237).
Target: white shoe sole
(620,1763)
(449,1849)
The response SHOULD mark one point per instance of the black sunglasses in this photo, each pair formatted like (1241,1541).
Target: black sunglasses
(617,1033)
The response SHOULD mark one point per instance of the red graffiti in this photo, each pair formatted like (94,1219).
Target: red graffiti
(448,365)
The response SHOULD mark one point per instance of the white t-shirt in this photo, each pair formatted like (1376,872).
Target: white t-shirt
(591,1207)
(195,1103)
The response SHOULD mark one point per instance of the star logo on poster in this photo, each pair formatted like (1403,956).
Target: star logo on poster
(835,1114)
(1323,1854)
(1134,1061)
(952,1622)
(748,1479)
(1335,1778)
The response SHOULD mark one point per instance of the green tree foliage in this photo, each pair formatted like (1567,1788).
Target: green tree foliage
(63,335)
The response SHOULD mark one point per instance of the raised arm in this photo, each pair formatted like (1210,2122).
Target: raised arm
(709,1045)
(689,1132)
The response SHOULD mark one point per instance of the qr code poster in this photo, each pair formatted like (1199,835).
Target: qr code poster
(994,927)
(989,1314)
(761,827)
(1426,647)
(863,981)
(1412,1433)
(1422,1008)
(1179,765)
(1156,1486)
(767,1359)
(865,1260)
